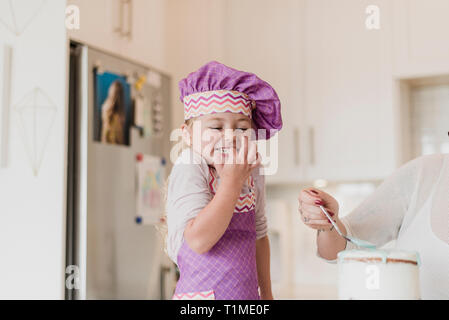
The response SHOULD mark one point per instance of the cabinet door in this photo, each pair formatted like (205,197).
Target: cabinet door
(145,22)
(98,19)
(421,29)
(105,25)
(348,87)
(288,157)
(266,38)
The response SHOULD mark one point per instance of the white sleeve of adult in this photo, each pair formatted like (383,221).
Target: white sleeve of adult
(378,219)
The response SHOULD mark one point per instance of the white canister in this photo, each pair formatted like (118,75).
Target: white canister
(378,274)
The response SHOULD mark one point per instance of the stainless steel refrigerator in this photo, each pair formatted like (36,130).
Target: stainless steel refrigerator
(113,253)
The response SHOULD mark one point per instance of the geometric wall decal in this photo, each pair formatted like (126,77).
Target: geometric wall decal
(36,115)
(17,15)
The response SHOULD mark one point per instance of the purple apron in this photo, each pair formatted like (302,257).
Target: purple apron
(228,270)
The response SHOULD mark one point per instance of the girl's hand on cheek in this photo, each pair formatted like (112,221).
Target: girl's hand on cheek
(237,166)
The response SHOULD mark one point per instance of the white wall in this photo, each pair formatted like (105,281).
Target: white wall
(32,207)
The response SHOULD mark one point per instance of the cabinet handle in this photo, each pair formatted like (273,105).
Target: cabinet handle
(296,138)
(118,14)
(312,145)
(128,4)
(130,19)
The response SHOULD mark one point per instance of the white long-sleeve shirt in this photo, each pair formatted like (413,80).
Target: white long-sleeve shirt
(188,193)
(412,207)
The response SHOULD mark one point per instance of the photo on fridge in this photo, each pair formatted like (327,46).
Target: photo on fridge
(113,104)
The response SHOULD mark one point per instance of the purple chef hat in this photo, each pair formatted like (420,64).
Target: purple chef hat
(215,77)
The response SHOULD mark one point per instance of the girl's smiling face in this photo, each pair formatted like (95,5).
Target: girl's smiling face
(216,135)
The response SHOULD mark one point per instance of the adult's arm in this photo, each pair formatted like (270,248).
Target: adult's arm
(379,218)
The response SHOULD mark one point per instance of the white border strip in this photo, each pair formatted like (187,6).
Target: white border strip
(6,103)
(82,156)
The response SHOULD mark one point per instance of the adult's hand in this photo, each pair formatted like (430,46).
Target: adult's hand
(309,201)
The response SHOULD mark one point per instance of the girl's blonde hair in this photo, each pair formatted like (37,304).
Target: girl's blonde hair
(162,227)
(189,124)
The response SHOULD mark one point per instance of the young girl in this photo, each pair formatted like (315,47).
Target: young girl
(217,233)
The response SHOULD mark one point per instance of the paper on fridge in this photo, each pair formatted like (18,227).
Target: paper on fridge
(150,175)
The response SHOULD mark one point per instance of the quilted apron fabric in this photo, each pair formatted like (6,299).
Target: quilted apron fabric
(227,271)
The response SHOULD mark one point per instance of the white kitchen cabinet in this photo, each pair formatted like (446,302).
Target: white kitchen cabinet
(336,88)
(96,24)
(265,38)
(148,37)
(133,29)
(350,122)
(194,36)
(420,31)
(335,78)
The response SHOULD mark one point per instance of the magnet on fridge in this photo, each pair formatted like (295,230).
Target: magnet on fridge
(139,220)
(139,157)
(129,77)
(163,161)
(154,79)
(140,82)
